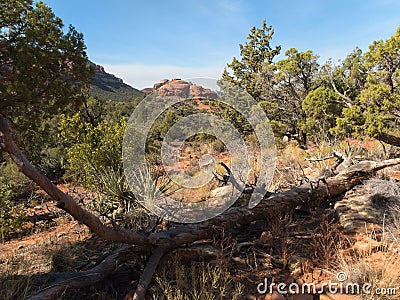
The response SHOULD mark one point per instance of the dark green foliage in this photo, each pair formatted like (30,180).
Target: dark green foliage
(321,107)
(363,99)
(281,86)
(295,77)
(95,110)
(232,115)
(44,71)
(350,76)
(372,97)
(255,55)
(13,187)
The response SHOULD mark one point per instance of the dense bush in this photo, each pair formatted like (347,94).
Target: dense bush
(13,185)
(321,106)
(92,149)
(94,160)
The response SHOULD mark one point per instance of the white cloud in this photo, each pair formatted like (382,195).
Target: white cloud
(230,5)
(142,76)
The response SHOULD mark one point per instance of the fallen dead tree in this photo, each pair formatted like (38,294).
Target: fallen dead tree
(164,241)
(81,279)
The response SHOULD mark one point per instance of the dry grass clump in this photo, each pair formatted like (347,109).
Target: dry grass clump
(376,272)
(13,284)
(328,242)
(377,269)
(198,280)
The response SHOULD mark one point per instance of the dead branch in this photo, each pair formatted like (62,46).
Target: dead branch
(232,179)
(347,100)
(81,279)
(335,154)
(147,274)
(245,190)
(341,159)
(319,159)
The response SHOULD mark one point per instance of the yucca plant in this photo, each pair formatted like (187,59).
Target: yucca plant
(151,186)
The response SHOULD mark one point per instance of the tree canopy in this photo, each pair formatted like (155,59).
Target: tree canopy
(281,86)
(255,54)
(358,97)
(371,92)
(43,67)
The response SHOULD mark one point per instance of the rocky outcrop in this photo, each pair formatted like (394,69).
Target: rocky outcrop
(175,87)
(180,88)
(159,84)
(197,91)
(106,86)
(147,90)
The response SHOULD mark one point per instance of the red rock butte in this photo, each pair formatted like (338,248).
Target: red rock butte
(180,88)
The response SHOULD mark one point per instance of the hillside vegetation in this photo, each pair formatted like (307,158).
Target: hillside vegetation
(108,87)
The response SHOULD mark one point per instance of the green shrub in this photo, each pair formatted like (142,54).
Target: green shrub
(92,149)
(12,186)
(321,107)
(94,160)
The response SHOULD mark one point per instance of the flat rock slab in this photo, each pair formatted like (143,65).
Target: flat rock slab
(356,212)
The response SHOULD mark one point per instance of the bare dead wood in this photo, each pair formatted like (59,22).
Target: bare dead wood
(314,159)
(340,159)
(245,190)
(347,100)
(147,274)
(335,154)
(233,180)
(81,279)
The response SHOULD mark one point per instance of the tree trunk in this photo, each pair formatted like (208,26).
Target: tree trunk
(302,139)
(389,139)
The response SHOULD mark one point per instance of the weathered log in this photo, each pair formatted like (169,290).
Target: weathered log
(274,204)
(389,139)
(80,279)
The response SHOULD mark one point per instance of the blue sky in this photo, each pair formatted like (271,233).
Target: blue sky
(145,41)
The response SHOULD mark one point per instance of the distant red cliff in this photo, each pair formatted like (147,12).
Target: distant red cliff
(180,88)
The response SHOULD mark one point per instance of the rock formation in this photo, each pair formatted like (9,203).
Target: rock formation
(181,88)
(107,86)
